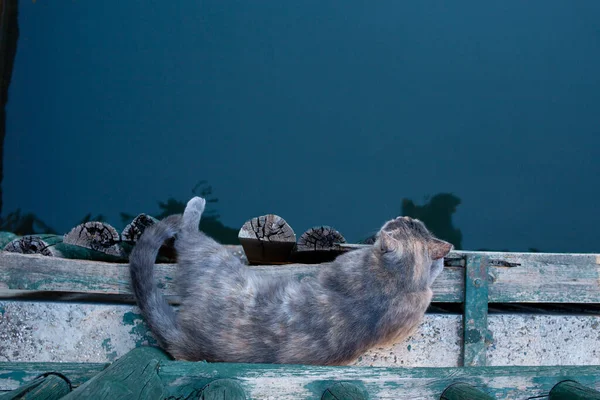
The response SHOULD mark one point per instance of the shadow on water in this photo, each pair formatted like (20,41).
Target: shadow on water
(210,222)
(29,224)
(436,214)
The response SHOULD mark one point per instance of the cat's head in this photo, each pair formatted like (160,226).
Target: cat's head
(405,243)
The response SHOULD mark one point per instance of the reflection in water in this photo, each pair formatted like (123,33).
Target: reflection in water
(210,222)
(9,34)
(436,214)
(323,115)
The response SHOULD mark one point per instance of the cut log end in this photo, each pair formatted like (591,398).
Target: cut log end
(321,238)
(136,227)
(34,245)
(267,239)
(97,236)
(268,227)
(318,245)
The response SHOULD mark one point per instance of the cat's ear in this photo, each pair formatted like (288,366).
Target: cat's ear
(386,242)
(438,248)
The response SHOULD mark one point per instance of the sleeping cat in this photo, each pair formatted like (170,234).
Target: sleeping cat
(229,312)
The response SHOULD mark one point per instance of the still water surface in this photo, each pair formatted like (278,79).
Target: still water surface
(323,112)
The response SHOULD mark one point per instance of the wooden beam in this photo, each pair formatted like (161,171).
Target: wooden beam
(476,311)
(49,386)
(39,273)
(512,277)
(307,382)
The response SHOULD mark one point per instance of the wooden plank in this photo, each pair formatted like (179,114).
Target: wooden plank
(51,386)
(306,382)
(544,278)
(88,332)
(39,273)
(35,272)
(476,311)
(303,382)
(571,390)
(133,376)
(15,374)
(512,277)
(463,391)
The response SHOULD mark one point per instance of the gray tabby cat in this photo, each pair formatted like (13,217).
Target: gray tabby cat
(229,312)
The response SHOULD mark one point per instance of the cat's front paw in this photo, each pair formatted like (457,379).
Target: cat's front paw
(196,204)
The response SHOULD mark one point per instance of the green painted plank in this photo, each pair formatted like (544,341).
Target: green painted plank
(464,391)
(133,376)
(310,382)
(35,272)
(345,391)
(572,390)
(304,382)
(544,278)
(476,311)
(6,237)
(221,389)
(15,374)
(48,387)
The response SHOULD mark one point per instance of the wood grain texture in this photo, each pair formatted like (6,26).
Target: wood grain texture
(572,390)
(16,374)
(260,381)
(476,311)
(305,382)
(49,387)
(98,236)
(133,376)
(464,391)
(267,239)
(512,277)
(37,273)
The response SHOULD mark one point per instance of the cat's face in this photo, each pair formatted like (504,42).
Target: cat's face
(406,242)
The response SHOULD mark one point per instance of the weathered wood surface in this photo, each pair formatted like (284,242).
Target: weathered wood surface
(464,391)
(98,236)
(34,244)
(572,390)
(48,387)
(512,277)
(267,239)
(476,312)
(317,245)
(133,230)
(133,376)
(261,381)
(302,382)
(16,374)
(346,391)
(53,246)
(38,273)
(85,332)
(6,237)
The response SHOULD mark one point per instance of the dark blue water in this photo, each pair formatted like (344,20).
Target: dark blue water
(322,112)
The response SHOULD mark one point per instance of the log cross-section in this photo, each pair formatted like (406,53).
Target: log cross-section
(317,245)
(97,236)
(133,230)
(267,239)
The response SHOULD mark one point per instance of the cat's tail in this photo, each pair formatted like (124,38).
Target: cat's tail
(159,315)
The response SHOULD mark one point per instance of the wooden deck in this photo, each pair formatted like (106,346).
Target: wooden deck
(82,314)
